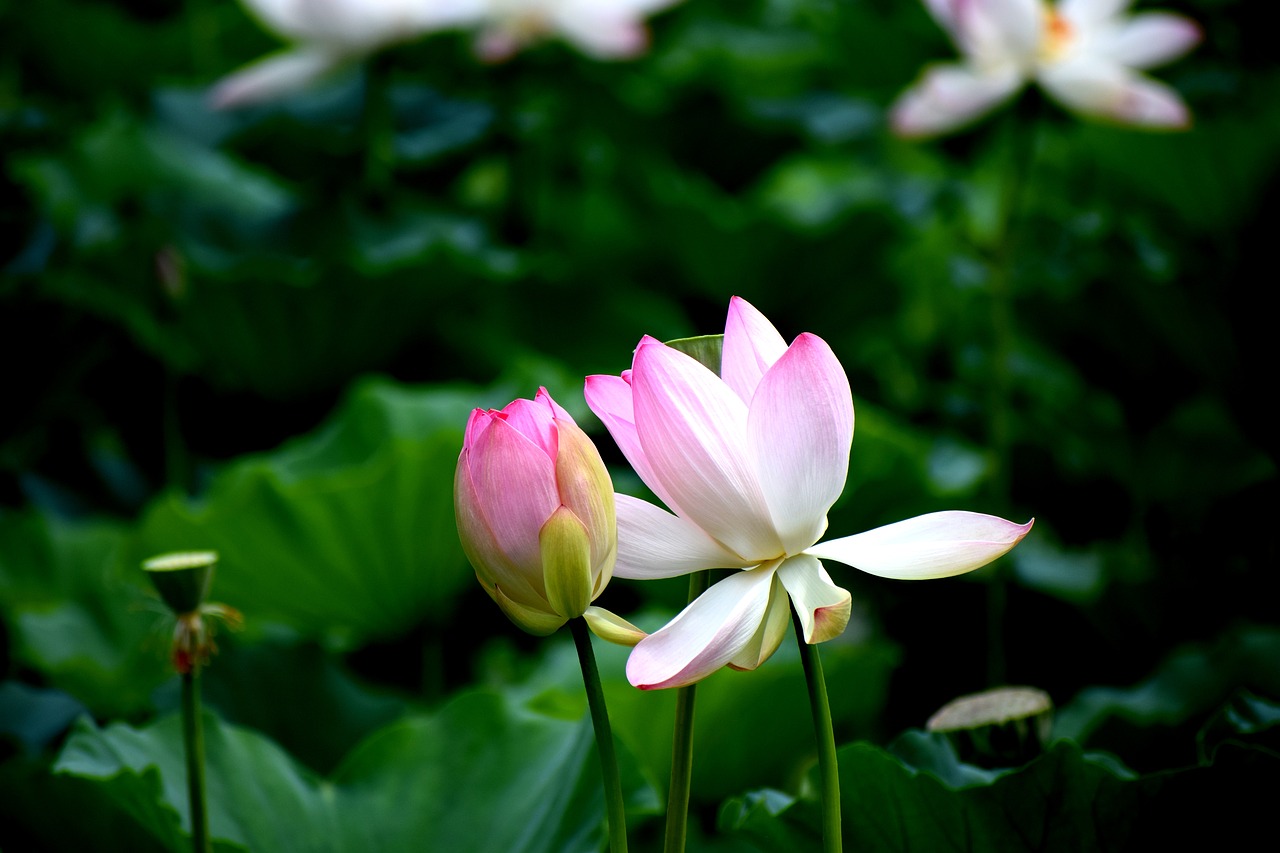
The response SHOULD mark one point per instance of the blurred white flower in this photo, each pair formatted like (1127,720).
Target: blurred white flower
(604,29)
(1087,54)
(326,34)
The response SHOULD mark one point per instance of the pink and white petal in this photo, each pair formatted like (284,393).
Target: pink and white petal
(937,545)
(824,608)
(948,97)
(773,628)
(1016,27)
(533,420)
(653,543)
(274,76)
(1147,40)
(1108,90)
(515,488)
(604,34)
(707,634)
(478,542)
(611,400)
(693,429)
(751,346)
(799,429)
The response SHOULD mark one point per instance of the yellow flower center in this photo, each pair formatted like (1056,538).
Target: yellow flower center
(1058,35)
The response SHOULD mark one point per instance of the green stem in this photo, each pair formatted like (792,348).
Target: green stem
(682,748)
(824,734)
(193,740)
(1021,151)
(615,808)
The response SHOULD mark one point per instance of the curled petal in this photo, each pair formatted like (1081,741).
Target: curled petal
(653,543)
(1148,40)
(611,627)
(693,430)
(773,627)
(708,634)
(947,97)
(515,490)
(799,428)
(274,76)
(751,346)
(479,543)
(824,608)
(586,489)
(937,545)
(1109,90)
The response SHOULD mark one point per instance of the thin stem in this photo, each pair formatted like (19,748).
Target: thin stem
(193,740)
(824,734)
(682,748)
(614,806)
(1021,151)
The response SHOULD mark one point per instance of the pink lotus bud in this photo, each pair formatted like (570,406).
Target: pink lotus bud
(535,512)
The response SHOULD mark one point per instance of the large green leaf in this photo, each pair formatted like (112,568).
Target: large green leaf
(346,533)
(480,775)
(731,708)
(1065,800)
(75,616)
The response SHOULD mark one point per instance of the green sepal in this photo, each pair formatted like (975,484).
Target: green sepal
(540,623)
(566,563)
(707,350)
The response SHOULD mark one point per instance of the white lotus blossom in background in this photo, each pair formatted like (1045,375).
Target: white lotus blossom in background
(1086,54)
(327,34)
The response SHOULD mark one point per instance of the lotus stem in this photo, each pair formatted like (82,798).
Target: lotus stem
(615,808)
(824,734)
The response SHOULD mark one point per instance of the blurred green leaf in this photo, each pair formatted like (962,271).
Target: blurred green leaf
(77,616)
(347,533)
(482,775)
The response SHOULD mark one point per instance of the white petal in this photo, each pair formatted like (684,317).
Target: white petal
(751,346)
(824,608)
(937,545)
(1088,14)
(1109,90)
(772,630)
(947,97)
(694,433)
(800,427)
(611,399)
(1147,40)
(1004,28)
(276,75)
(653,543)
(707,634)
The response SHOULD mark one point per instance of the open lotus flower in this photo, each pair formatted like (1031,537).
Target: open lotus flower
(535,513)
(1084,53)
(604,29)
(749,462)
(327,34)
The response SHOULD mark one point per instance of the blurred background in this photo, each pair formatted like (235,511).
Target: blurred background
(260,331)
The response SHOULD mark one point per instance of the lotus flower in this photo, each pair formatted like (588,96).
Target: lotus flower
(1087,54)
(536,516)
(604,29)
(327,34)
(748,463)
